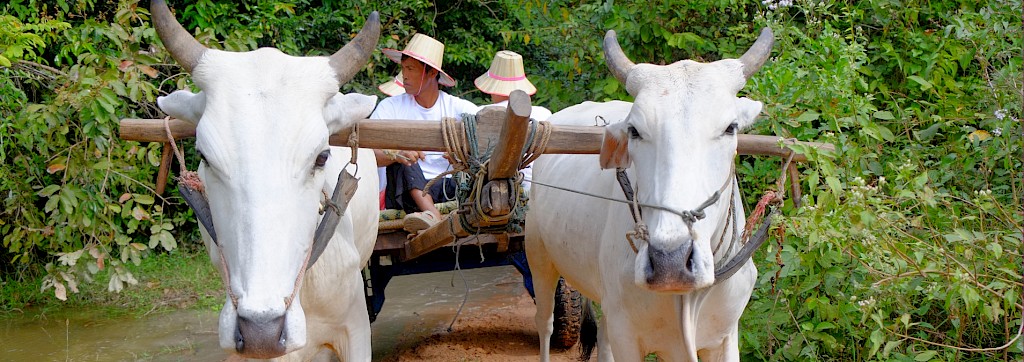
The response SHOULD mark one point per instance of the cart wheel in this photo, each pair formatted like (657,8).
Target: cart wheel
(568,315)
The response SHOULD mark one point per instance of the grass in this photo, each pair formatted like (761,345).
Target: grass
(167,281)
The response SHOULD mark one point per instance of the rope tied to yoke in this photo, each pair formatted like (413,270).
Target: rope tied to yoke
(469,169)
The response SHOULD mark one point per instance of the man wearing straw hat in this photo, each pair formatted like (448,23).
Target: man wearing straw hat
(409,171)
(506,75)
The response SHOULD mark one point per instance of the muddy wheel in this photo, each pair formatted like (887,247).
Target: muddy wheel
(568,315)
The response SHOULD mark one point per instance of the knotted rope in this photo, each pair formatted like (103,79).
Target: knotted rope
(190,179)
(469,167)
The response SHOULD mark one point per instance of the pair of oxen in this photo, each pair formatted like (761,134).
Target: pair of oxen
(263,121)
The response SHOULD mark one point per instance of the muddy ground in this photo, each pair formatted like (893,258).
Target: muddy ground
(495,325)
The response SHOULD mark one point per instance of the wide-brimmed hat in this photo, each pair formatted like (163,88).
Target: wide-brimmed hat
(425,49)
(393,87)
(506,75)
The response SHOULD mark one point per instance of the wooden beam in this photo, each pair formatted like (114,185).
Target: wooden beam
(508,153)
(152,130)
(435,237)
(426,136)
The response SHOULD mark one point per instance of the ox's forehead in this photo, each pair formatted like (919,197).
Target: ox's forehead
(266,70)
(723,77)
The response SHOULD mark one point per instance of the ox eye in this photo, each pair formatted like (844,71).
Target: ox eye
(731,130)
(633,134)
(321,159)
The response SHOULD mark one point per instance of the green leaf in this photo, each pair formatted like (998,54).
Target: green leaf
(610,87)
(925,85)
(143,199)
(886,115)
(927,133)
(834,184)
(4,61)
(48,190)
(925,356)
(997,250)
(807,117)
(876,340)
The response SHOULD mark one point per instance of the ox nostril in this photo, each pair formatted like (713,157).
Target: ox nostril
(690,255)
(239,341)
(261,336)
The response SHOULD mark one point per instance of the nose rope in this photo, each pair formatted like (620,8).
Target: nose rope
(689,217)
(190,179)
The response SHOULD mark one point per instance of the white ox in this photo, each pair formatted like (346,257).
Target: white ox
(262,124)
(678,141)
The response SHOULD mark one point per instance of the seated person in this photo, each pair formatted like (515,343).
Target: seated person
(408,172)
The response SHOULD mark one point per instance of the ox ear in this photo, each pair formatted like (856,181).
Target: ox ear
(343,110)
(615,148)
(183,105)
(747,111)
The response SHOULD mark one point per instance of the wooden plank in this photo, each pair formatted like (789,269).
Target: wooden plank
(435,237)
(426,136)
(166,157)
(508,153)
(502,242)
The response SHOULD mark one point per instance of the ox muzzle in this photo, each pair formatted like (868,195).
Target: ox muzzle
(674,270)
(262,336)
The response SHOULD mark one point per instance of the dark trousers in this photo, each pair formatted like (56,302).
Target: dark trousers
(403,179)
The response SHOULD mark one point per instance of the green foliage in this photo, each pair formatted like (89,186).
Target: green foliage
(910,230)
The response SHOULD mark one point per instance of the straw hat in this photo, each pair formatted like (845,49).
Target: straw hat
(506,75)
(393,87)
(425,49)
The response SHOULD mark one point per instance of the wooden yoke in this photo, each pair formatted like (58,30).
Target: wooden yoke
(426,136)
(497,197)
(507,156)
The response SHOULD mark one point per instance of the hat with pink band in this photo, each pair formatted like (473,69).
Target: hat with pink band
(505,75)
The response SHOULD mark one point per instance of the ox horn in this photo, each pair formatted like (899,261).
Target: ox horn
(618,62)
(758,53)
(348,60)
(185,49)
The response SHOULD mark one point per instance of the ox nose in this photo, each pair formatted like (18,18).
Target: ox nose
(260,336)
(672,270)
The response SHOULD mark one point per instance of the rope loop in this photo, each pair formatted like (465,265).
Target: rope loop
(353,143)
(639,233)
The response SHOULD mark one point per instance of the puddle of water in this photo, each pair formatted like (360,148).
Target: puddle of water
(175,336)
(416,307)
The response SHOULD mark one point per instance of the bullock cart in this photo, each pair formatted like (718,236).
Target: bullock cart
(490,150)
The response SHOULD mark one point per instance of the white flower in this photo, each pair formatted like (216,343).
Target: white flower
(1000,114)
(776,4)
(997,132)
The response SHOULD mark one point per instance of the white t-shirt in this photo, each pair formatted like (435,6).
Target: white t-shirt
(404,106)
(538,113)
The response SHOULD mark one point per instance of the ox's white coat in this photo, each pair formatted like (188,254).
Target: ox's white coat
(683,155)
(262,119)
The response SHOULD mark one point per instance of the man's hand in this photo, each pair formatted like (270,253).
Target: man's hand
(405,157)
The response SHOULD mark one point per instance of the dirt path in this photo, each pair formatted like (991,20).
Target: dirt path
(497,328)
